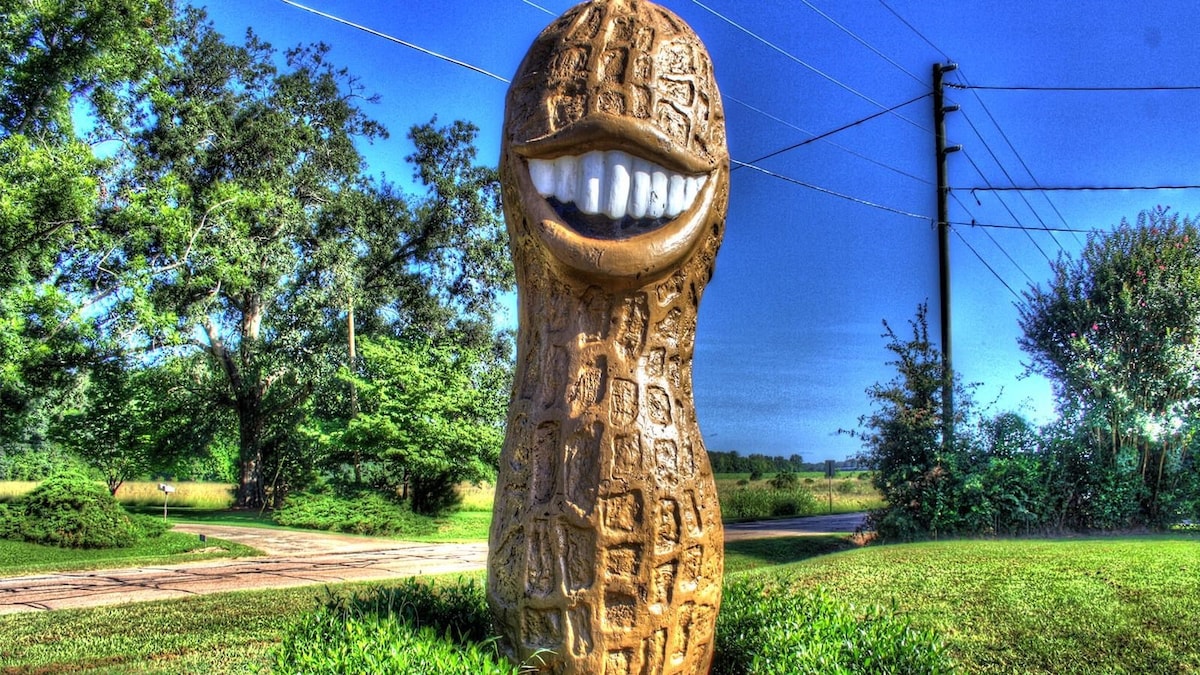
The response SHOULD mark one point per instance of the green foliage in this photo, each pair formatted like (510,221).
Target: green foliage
(749,503)
(414,628)
(229,242)
(733,462)
(431,416)
(69,510)
(767,628)
(785,480)
(913,470)
(1116,331)
(366,512)
(38,463)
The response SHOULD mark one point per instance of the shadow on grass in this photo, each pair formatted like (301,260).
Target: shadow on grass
(749,554)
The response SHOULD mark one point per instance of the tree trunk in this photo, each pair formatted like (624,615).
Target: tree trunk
(353,367)
(251,492)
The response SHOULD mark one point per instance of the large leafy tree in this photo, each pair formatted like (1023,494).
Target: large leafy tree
(244,227)
(231,220)
(1117,330)
(130,420)
(57,58)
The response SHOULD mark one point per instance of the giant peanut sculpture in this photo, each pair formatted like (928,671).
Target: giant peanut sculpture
(606,540)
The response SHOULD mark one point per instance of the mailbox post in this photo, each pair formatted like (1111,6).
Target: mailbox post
(166,490)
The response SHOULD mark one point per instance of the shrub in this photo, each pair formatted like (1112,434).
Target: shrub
(361,513)
(755,503)
(785,480)
(9,524)
(776,630)
(69,510)
(413,628)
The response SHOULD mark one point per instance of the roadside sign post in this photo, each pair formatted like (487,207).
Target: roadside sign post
(829,471)
(166,490)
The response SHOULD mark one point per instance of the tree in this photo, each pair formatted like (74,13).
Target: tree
(432,416)
(245,228)
(902,438)
(57,59)
(1118,333)
(132,420)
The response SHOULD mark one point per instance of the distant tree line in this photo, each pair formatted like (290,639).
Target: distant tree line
(731,461)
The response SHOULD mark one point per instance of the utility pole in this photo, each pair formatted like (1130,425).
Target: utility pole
(943,227)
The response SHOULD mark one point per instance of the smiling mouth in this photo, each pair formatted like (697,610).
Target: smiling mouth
(613,194)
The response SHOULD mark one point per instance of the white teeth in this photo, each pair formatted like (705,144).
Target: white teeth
(639,201)
(591,177)
(615,184)
(615,199)
(675,193)
(566,177)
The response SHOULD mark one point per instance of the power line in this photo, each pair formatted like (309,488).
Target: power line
(1053,88)
(839,146)
(1026,228)
(397,40)
(839,129)
(992,239)
(1012,147)
(537,6)
(862,42)
(914,29)
(1006,206)
(1084,188)
(985,264)
(807,65)
(827,191)
(1008,176)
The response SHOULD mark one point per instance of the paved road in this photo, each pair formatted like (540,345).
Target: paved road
(301,558)
(812,525)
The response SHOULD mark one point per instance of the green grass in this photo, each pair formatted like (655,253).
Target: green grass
(1052,606)
(459,526)
(20,558)
(850,492)
(239,517)
(221,633)
(1101,605)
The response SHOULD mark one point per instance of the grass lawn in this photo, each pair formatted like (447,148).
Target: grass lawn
(222,633)
(1093,605)
(21,558)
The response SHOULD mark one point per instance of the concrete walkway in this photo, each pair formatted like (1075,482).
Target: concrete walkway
(296,558)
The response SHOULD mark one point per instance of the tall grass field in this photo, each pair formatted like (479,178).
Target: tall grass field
(202,496)
(744,499)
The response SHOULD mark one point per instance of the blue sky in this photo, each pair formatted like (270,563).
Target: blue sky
(789,334)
